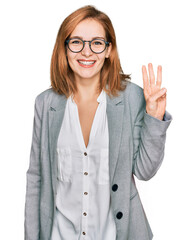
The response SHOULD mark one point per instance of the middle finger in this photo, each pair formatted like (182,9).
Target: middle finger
(151,74)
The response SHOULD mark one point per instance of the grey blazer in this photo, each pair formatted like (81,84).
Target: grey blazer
(136,147)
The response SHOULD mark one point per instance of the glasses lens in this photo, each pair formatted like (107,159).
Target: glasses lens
(75,45)
(98,45)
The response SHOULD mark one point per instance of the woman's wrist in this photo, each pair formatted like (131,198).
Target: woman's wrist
(161,118)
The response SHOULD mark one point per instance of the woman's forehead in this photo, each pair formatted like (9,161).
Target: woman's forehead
(89,28)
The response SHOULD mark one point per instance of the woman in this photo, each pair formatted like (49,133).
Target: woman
(93,130)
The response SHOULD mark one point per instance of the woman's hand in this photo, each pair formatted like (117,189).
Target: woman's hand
(155,96)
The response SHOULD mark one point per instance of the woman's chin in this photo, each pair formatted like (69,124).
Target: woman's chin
(87,76)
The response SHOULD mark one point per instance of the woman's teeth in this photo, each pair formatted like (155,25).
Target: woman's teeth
(86,62)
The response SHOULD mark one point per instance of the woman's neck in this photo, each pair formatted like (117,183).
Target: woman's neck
(87,90)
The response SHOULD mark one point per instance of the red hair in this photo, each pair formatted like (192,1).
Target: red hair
(62,78)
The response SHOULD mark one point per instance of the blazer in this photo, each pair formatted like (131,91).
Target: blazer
(136,147)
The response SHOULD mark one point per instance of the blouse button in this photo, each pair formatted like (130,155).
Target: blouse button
(85,154)
(85,173)
(83,233)
(85,193)
(84,213)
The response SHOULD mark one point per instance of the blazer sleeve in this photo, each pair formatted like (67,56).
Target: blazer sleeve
(149,136)
(33,175)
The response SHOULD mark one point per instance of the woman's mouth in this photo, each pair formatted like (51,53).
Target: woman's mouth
(86,63)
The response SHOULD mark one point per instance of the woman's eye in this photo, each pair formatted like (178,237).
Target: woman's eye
(76,42)
(98,43)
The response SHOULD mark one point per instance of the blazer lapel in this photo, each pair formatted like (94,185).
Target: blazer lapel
(56,114)
(115,109)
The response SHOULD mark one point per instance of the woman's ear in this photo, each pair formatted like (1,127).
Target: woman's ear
(108,51)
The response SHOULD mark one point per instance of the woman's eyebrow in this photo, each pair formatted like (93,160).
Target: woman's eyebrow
(91,39)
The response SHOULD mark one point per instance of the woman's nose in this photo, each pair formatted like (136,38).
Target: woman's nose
(86,51)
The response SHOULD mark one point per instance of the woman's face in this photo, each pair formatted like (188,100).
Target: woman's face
(87,64)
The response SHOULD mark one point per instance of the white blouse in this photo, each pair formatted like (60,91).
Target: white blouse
(83,209)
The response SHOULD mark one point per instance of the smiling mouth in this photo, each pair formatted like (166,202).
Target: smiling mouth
(84,63)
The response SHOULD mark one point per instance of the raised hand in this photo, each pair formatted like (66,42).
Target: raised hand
(155,96)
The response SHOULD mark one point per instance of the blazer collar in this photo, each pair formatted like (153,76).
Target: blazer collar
(59,103)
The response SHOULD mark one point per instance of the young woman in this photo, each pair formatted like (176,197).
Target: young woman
(93,130)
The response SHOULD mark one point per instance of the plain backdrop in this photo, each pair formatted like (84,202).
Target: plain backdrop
(147,31)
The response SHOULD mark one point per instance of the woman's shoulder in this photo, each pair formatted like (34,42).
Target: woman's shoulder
(46,93)
(134,100)
(48,96)
(134,91)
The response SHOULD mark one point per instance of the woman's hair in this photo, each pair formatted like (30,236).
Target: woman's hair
(112,78)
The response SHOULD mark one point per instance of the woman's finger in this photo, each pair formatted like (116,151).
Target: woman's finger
(151,74)
(145,78)
(158,94)
(159,76)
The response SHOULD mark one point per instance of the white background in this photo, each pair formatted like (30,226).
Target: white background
(147,31)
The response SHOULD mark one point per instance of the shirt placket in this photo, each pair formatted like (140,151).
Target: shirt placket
(85,197)
(85,180)
(85,169)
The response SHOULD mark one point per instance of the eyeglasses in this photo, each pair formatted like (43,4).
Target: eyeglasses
(96,45)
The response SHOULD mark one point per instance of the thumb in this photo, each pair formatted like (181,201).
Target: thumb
(159,94)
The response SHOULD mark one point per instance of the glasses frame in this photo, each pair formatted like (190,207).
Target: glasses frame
(84,41)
